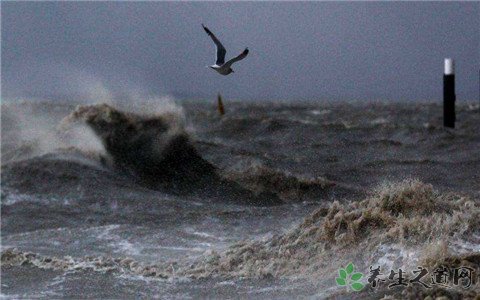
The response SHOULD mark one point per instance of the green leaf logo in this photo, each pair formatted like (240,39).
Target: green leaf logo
(341,281)
(347,278)
(357,276)
(350,268)
(357,286)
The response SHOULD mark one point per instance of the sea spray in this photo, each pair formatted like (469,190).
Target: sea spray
(409,214)
(334,234)
(398,225)
(151,145)
(156,148)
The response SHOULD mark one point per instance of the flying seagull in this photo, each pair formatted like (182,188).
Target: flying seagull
(220,65)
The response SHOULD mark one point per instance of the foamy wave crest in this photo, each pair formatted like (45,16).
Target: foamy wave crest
(13,257)
(153,144)
(408,214)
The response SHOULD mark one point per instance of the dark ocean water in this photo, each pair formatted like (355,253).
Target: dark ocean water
(164,200)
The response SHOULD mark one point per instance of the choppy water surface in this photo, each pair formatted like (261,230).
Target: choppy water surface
(268,201)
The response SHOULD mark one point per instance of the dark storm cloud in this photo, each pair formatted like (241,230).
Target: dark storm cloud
(306,50)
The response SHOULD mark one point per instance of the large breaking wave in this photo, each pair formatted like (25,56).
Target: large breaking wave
(153,149)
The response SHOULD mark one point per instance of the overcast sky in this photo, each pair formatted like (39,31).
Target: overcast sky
(298,51)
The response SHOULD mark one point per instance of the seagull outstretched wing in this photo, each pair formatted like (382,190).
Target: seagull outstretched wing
(239,57)
(220,49)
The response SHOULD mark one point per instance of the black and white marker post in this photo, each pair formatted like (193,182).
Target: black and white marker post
(449,94)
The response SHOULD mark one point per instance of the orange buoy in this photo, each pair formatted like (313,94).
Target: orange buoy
(221,109)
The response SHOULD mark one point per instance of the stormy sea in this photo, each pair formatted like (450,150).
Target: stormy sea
(162,199)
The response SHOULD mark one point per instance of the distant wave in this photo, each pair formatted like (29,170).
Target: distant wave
(288,186)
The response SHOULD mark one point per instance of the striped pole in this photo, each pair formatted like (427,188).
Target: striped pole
(449,94)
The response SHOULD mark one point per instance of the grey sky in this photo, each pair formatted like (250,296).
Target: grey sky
(308,50)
